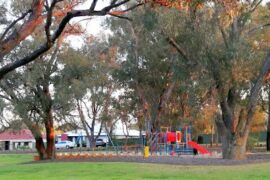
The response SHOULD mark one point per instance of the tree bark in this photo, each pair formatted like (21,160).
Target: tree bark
(82,118)
(40,148)
(268,123)
(164,97)
(124,122)
(92,138)
(212,135)
(93,124)
(35,130)
(234,147)
(268,135)
(25,30)
(49,124)
(50,136)
(39,140)
(233,139)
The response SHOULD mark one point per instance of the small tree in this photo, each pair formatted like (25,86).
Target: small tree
(89,84)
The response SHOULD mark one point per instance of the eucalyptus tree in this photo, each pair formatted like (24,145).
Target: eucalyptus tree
(50,21)
(239,72)
(125,107)
(219,42)
(148,68)
(29,97)
(213,41)
(88,84)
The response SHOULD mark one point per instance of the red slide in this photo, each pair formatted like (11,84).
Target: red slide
(199,148)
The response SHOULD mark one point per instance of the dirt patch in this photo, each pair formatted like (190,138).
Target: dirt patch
(182,160)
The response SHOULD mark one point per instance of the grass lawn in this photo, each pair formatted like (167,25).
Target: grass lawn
(11,168)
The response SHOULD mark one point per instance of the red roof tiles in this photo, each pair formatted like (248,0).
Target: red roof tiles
(24,134)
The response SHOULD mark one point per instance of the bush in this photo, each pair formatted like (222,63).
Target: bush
(253,139)
(131,141)
(23,147)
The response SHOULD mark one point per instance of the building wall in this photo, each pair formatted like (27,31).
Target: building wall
(17,145)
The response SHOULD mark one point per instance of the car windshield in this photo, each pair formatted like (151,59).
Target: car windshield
(62,142)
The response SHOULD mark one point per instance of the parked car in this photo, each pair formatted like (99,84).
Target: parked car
(100,142)
(64,144)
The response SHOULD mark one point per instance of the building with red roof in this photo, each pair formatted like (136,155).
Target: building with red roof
(21,139)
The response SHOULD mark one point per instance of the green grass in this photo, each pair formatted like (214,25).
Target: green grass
(12,167)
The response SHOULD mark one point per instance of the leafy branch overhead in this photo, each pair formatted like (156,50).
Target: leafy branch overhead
(59,13)
(56,12)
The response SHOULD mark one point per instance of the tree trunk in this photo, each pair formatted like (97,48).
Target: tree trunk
(35,130)
(268,123)
(92,130)
(217,138)
(92,138)
(50,135)
(212,135)
(126,133)
(49,126)
(88,136)
(84,123)
(164,97)
(111,129)
(40,148)
(268,135)
(99,132)
(233,147)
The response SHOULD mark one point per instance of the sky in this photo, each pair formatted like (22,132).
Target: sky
(93,26)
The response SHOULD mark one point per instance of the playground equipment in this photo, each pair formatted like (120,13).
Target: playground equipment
(146,152)
(168,142)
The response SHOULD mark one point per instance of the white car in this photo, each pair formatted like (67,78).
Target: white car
(100,142)
(64,144)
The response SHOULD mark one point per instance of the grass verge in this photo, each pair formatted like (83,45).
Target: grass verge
(12,167)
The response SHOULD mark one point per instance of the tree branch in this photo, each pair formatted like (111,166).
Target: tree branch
(172,42)
(258,28)
(14,22)
(93,5)
(254,5)
(49,22)
(251,107)
(45,46)
(121,17)
(18,35)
